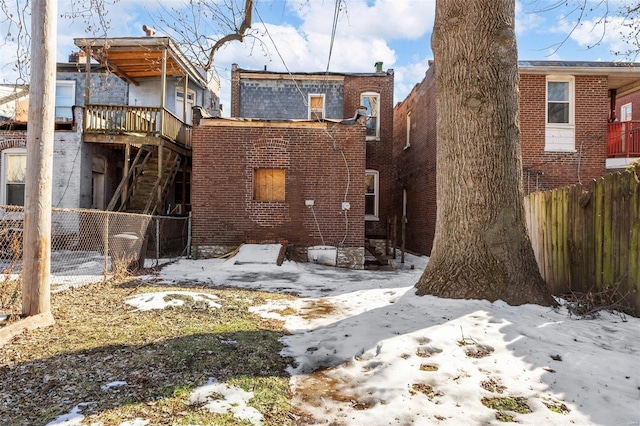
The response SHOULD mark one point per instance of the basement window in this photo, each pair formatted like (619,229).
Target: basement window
(268,184)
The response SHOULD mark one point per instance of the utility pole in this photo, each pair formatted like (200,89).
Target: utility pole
(36,265)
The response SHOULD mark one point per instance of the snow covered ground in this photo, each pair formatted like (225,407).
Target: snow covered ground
(367,350)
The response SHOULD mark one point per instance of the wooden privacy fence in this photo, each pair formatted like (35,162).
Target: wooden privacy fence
(588,239)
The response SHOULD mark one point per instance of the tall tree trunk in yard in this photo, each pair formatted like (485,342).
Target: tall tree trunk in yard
(481,248)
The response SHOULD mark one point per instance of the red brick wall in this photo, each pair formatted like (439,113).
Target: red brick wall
(379,153)
(416,166)
(235,91)
(634,99)
(224,157)
(544,170)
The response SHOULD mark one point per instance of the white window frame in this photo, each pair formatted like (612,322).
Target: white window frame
(560,137)
(65,83)
(376,95)
(625,112)
(311,110)
(407,143)
(3,169)
(376,194)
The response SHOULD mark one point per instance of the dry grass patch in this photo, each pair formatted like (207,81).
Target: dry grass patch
(161,355)
(505,406)
(556,406)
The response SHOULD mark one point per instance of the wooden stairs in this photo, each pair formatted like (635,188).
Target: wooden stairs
(375,258)
(144,190)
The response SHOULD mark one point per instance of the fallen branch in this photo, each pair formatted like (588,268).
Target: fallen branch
(588,305)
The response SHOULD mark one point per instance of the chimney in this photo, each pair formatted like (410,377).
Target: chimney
(78,57)
(378,66)
(148,31)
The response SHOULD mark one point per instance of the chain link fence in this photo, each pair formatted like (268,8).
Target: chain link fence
(89,245)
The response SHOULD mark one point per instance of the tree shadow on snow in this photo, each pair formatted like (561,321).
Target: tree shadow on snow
(341,361)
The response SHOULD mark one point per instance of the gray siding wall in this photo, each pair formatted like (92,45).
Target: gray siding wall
(71,184)
(105,88)
(281,100)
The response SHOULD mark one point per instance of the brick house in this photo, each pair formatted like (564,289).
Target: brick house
(279,181)
(267,95)
(566,111)
(623,136)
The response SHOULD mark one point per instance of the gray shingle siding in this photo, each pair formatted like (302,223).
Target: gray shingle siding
(106,89)
(281,100)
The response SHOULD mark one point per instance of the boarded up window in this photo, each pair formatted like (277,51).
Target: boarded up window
(316,107)
(268,184)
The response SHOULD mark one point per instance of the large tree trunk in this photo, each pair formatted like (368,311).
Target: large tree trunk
(481,248)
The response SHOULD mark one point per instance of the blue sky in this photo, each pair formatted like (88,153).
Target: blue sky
(296,34)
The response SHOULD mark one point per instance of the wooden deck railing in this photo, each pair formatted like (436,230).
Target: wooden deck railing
(133,120)
(623,139)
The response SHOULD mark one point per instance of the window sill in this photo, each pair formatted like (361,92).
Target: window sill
(559,149)
(373,138)
(561,125)
(371,218)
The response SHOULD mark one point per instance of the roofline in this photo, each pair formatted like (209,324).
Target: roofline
(167,42)
(318,74)
(579,67)
(264,122)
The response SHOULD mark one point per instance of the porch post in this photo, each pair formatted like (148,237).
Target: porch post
(163,93)
(160,168)
(612,105)
(87,75)
(163,89)
(125,173)
(186,95)
(184,186)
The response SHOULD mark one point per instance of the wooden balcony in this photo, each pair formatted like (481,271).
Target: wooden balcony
(134,121)
(623,139)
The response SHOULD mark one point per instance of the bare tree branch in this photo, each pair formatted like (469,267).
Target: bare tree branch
(238,35)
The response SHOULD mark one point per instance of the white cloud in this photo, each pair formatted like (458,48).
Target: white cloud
(609,33)
(365,31)
(572,29)
(388,19)
(407,76)
(528,20)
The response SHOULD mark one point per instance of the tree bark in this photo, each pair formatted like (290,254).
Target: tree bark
(481,248)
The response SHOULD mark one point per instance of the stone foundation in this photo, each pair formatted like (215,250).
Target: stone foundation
(348,257)
(208,252)
(351,257)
